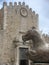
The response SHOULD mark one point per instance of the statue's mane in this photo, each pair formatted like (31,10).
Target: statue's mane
(35,36)
(40,51)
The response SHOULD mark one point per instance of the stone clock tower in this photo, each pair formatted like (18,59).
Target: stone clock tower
(16,19)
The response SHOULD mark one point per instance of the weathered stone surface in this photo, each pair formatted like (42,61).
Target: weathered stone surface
(11,24)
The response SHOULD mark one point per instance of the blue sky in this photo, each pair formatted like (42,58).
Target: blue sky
(42,8)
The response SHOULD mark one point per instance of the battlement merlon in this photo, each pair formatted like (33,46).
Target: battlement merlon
(15,3)
(19,3)
(4,4)
(46,37)
(11,7)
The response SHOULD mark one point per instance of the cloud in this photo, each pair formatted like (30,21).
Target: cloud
(44,21)
(42,8)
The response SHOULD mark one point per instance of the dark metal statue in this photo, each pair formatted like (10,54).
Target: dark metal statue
(40,51)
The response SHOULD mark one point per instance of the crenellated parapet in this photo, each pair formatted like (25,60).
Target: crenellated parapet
(4,4)
(46,37)
(19,4)
(12,11)
(20,10)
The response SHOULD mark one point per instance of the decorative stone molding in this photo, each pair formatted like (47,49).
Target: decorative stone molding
(23,12)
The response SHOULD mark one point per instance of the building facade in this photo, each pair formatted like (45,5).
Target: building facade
(14,21)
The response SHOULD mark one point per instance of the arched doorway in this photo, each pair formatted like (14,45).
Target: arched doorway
(22,56)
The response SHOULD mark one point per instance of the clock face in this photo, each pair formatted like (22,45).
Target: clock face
(23,12)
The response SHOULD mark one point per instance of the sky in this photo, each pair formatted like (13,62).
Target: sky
(39,6)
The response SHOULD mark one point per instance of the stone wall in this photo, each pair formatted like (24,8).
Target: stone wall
(16,20)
